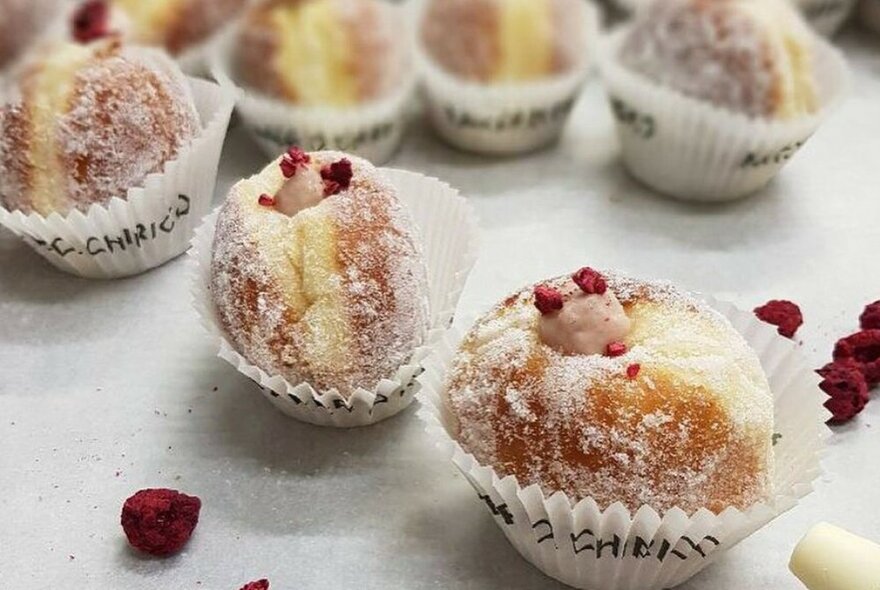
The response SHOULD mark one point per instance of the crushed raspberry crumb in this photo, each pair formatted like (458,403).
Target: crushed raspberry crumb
(337,177)
(847,389)
(615,349)
(870,318)
(160,521)
(547,299)
(266,200)
(632,371)
(862,348)
(293,160)
(785,315)
(91,21)
(258,585)
(590,281)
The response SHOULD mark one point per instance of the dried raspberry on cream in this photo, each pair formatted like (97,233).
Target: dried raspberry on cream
(590,319)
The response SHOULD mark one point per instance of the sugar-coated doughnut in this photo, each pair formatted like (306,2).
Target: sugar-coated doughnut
(317,273)
(91,122)
(674,411)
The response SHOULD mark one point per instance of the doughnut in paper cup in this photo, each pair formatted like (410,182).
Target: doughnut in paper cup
(504,118)
(690,149)
(608,548)
(155,221)
(372,130)
(448,229)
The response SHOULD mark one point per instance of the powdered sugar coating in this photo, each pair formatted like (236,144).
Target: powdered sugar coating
(750,56)
(128,112)
(693,429)
(462,36)
(335,295)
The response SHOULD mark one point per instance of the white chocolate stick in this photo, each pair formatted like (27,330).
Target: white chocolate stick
(830,558)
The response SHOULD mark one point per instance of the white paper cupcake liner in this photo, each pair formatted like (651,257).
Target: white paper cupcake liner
(504,119)
(593,548)
(448,229)
(153,224)
(372,131)
(869,14)
(690,149)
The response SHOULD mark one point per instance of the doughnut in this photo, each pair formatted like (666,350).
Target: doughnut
(749,56)
(322,52)
(492,41)
(175,25)
(91,122)
(599,385)
(317,272)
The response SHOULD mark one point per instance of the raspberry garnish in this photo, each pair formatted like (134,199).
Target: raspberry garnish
(266,200)
(846,387)
(258,585)
(615,349)
(870,318)
(91,21)
(159,521)
(862,348)
(785,315)
(337,177)
(547,299)
(590,281)
(293,160)
(632,371)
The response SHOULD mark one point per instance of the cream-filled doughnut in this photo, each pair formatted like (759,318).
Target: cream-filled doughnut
(317,272)
(323,52)
(92,121)
(652,398)
(748,56)
(495,41)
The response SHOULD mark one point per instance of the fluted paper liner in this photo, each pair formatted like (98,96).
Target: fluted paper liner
(504,119)
(372,130)
(448,229)
(607,548)
(690,149)
(153,224)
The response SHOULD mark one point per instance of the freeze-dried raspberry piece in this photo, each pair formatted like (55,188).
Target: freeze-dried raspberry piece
(862,348)
(848,391)
(160,521)
(785,315)
(547,299)
(870,318)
